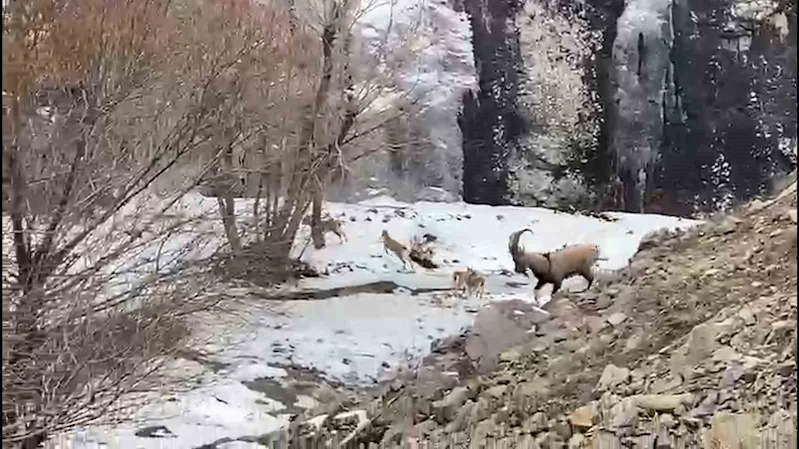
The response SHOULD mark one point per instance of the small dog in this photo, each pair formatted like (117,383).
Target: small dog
(468,282)
(476,283)
(460,281)
(334,226)
(329,225)
(397,248)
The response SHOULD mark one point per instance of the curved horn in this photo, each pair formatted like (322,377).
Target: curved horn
(513,241)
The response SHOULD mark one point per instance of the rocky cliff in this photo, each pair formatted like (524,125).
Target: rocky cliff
(681,105)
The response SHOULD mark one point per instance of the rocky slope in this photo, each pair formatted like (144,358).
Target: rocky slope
(692,345)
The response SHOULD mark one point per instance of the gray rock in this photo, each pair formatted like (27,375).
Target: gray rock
(625,417)
(757,205)
(665,440)
(425,427)
(747,316)
(482,409)
(482,432)
(735,430)
(608,400)
(154,432)
(496,392)
(707,407)
(632,343)
(612,376)
(461,420)
(536,423)
(604,301)
(522,441)
(506,378)
(652,239)
(548,440)
(499,328)
(786,369)
(731,375)
(728,226)
(562,429)
(616,319)
(603,439)
(445,409)
(502,416)
(646,441)
(576,441)
(700,345)
(667,420)
(511,355)
(666,384)
(663,402)
(583,417)
(781,430)
(595,323)
(528,395)
(726,355)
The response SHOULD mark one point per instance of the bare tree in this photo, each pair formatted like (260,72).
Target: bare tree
(111,112)
(338,108)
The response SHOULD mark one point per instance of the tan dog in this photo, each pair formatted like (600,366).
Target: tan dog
(467,282)
(397,248)
(460,281)
(476,283)
(329,225)
(334,226)
(553,267)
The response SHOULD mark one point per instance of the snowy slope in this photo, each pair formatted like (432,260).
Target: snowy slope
(368,336)
(468,235)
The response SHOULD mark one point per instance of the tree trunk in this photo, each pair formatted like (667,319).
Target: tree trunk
(227,206)
(317,233)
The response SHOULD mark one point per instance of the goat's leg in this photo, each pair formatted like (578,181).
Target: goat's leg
(589,276)
(556,287)
(537,288)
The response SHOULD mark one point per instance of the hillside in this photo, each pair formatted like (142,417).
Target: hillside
(694,346)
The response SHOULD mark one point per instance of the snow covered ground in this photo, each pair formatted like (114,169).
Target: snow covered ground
(365,336)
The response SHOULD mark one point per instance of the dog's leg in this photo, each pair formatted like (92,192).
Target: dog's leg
(404,262)
(410,262)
